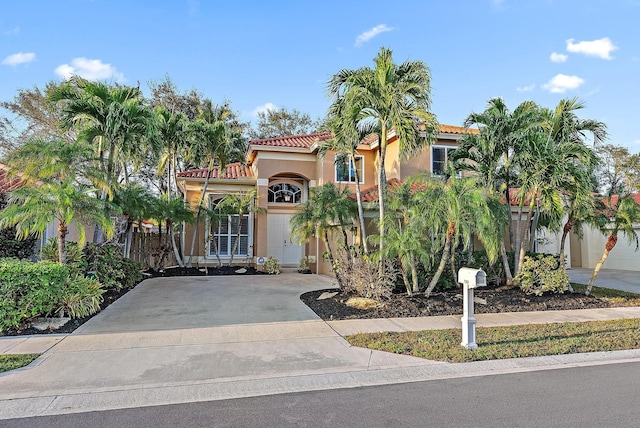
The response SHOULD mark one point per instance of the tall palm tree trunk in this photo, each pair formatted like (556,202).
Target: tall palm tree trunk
(176,253)
(611,243)
(505,264)
(414,274)
(565,231)
(62,232)
(405,278)
(451,228)
(382,191)
(196,223)
(363,232)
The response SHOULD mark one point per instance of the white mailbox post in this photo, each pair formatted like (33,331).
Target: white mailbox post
(470,279)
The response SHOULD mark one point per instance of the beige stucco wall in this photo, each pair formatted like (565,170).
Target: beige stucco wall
(421,162)
(623,256)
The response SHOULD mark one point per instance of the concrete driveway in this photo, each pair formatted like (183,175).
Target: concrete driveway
(624,280)
(189,339)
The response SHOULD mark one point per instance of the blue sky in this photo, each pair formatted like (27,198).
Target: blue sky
(281,53)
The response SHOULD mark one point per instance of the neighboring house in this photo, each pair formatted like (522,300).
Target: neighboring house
(283,169)
(585,252)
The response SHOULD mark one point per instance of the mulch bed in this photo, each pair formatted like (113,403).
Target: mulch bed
(499,299)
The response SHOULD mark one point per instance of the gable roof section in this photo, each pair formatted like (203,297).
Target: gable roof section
(232,171)
(292,141)
(450,129)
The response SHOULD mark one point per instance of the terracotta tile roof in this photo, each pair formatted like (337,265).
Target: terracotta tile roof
(232,171)
(293,141)
(450,129)
(7,184)
(371,194)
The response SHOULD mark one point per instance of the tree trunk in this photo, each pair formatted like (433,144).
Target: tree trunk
(214,242)
(518,238)
(505,264)
(443,261)
(382,191)
(611,243)
(524,243)
(195,224)
(565,231)
(454,274)
(325,238)
(128,239)
(414,274)
(176,253)
(363,233)
(405,278)
(62,252)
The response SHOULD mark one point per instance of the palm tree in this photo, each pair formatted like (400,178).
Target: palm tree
(33,207)
(172,212)
(623,212)
(397,99)
(173,135)
(489,152)
(114,118)
(342,122)
(407,235)
(215,139)
(136,204)
(455,208)
(237,205)
(328,211)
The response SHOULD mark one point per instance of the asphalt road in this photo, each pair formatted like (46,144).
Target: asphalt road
(595,396)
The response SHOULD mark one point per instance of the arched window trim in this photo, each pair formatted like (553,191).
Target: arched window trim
(288,192)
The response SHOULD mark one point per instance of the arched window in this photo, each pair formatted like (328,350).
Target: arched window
(285,192)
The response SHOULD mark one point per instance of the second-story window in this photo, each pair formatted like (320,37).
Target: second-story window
(285,193)
(346,169)
(439,157)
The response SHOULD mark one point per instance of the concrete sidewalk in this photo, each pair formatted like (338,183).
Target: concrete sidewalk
(625,280)
(178,340)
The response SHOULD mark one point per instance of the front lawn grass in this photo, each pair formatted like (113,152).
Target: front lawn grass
(530,340)
(15,361)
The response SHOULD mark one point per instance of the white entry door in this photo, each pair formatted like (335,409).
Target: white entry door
(279,242)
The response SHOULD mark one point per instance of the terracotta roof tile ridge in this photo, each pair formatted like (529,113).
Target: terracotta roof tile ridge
(289,137)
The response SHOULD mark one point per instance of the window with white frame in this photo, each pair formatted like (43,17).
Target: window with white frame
(223,233)
(346,169)
(284,193)
(439,157)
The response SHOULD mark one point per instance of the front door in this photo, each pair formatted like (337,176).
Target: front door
(280,245)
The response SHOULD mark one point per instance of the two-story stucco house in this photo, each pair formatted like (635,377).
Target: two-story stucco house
(283,169)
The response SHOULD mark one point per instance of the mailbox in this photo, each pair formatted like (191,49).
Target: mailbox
(472,278)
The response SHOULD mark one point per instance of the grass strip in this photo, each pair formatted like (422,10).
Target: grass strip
(616,297)
(494,343)
(15,361)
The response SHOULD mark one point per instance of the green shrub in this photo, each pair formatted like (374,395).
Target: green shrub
(542,273)
(75,260)
(28,290)
(107,264)
(9,245)
(272,266)
(81,297)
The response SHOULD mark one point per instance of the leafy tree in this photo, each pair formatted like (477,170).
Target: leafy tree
(173,133)
(172,212)
(33,117)
(619,170)
(216,139)
(328,211)
(454,209)
(408,238)
(166,94)
(623,212)
(282,122)
(58,186)
(397,99)
(9,245)
(342,122)
(489,152)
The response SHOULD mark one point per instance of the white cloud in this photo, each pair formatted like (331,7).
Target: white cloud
(263,109)
(370,34)
(91,69)
(558,57)
(19,58)
(12,32)
(561,83)
(600,48)
(527,88)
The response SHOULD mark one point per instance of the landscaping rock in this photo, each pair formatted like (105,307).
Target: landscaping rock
(43,324)
(241,271)
(327,295)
